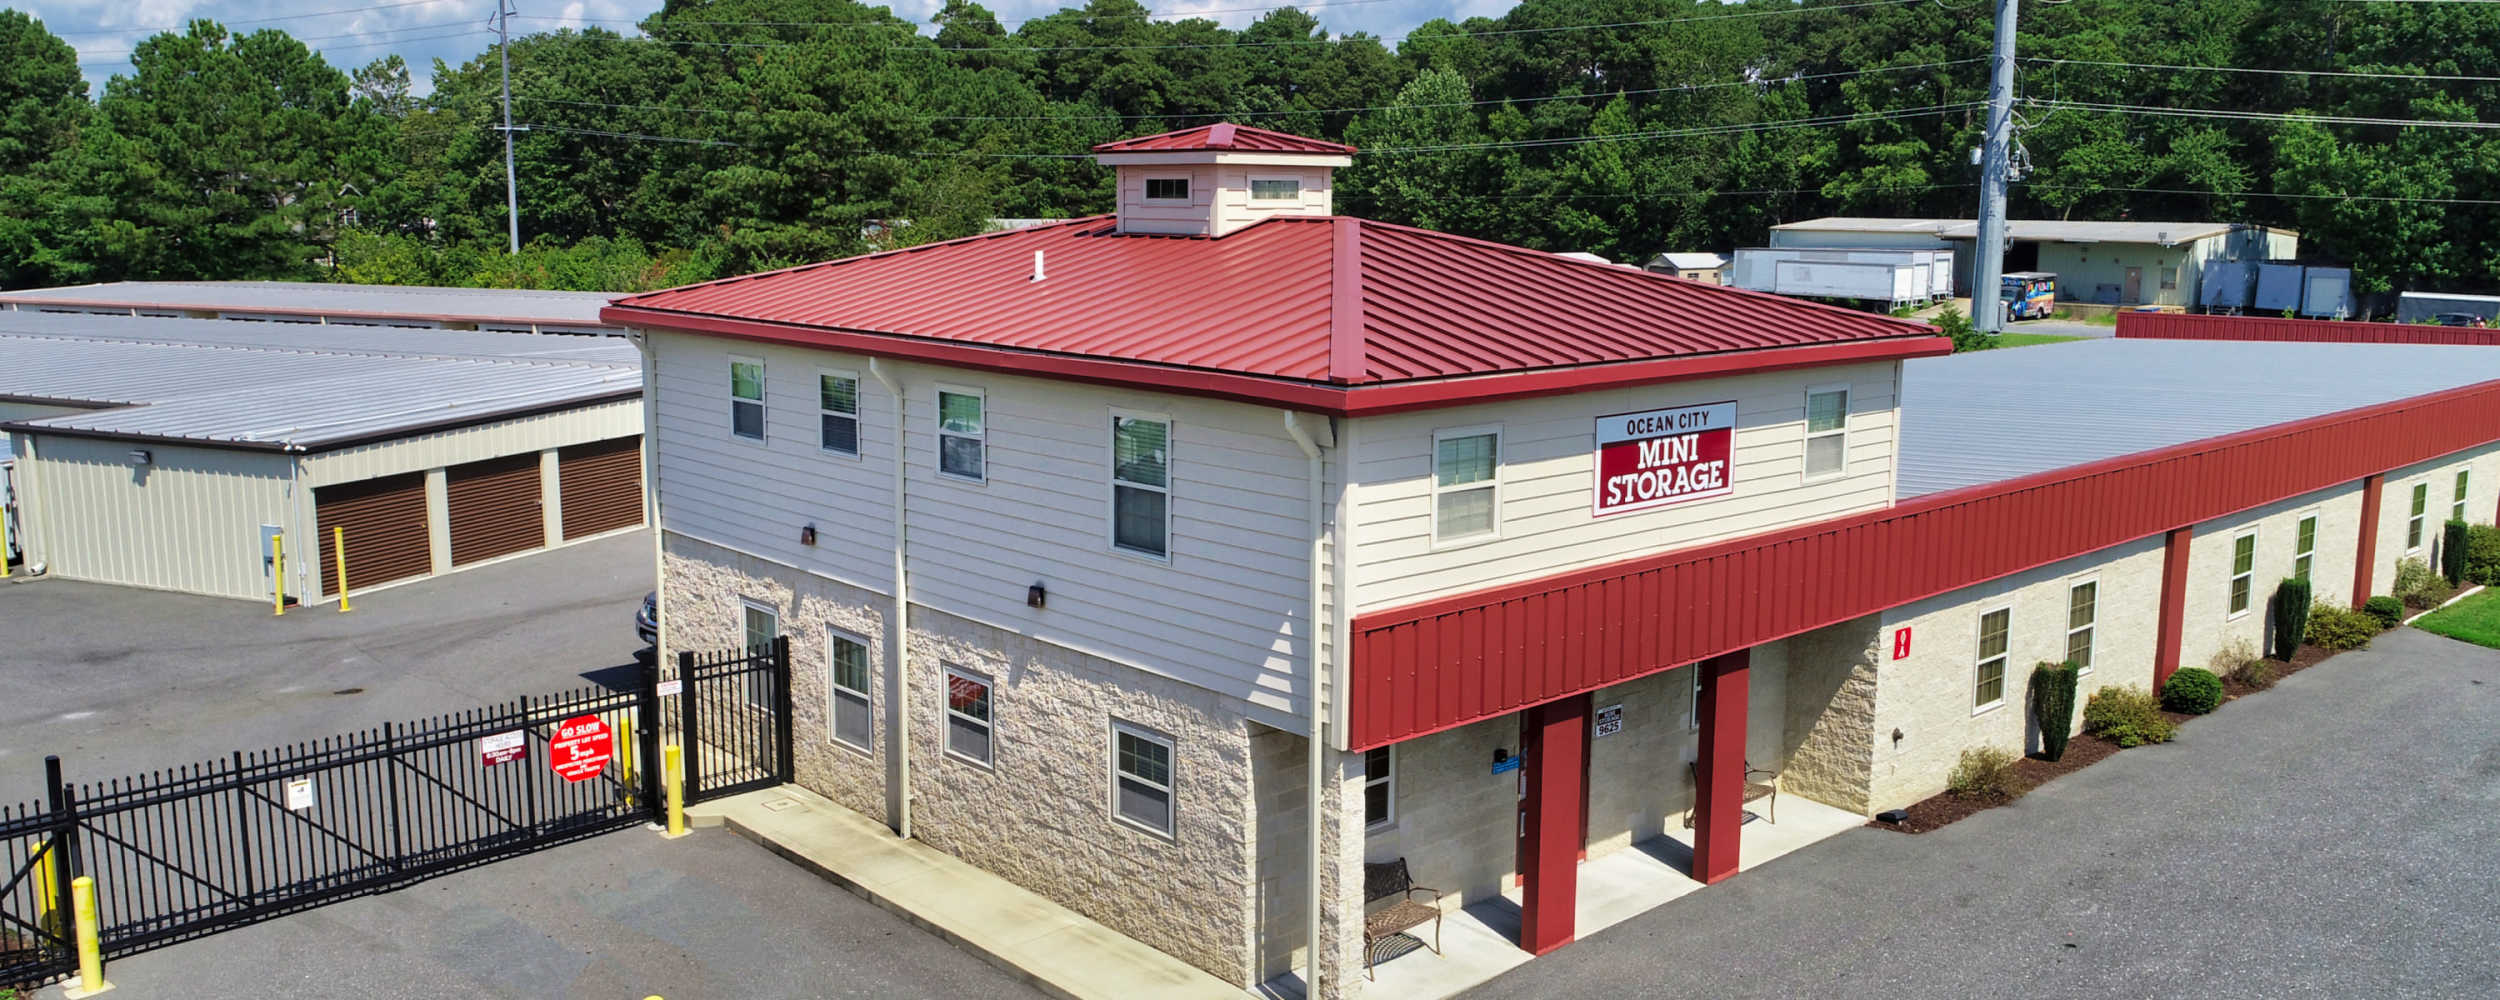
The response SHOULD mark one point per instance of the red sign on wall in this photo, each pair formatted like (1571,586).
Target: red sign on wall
(1658,457)
(1901,642)
(581,748)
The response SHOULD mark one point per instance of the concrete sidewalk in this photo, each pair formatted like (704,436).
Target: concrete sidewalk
(1057,950)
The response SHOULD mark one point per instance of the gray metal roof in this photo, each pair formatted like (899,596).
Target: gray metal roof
(292,386)
(369,302)
(1990,416)
(2039,230)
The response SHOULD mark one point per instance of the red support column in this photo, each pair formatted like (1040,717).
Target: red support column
(1719,804)
(1557,746)
(2365,552)
(2174,578)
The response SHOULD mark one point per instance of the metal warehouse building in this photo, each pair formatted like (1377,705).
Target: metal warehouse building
(2111,263)
(166,453)
(405,306)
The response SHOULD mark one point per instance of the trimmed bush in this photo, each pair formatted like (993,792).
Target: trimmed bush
(2053,705)
(2193,690)
(2413,577)
(1986,774)
(2452,552)
(2341,628)
(2482,554)
(2291,617)
(2128,716)
(2388,611)
(2430,595)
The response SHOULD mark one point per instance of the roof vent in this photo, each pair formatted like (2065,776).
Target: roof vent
(1037,265)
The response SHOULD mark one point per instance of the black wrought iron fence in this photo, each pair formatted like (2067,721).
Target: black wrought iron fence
(734,719)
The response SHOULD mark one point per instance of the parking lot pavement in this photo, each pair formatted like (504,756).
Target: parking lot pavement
(2331,838)
(618,917)
(118,680)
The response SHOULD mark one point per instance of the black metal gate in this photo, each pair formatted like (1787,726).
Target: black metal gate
(733,718)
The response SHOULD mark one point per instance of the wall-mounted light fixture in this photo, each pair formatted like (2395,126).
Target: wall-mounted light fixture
(140,456)
(807,535)
(1035,596)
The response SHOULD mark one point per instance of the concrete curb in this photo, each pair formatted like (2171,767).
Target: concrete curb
(2461,595)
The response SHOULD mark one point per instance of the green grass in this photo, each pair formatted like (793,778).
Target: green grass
(2475,619)
(2030,339)
(2095,318)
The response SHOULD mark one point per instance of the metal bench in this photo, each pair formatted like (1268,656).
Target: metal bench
(1389,880)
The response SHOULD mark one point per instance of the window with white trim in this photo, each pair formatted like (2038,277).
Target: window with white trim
(2305,546)
(1141,786)
(2456,509)
(1380,787)
(746,398)
(1167,189)
(1275,189)
(763,625)
(1141,485)
(968,733)
(1988,675)
(837,418)
(2082,611)
(2243,571)
(2413,521)
(1827,432)
(846,676)
(963,434)
(1692,705)
(1466,473)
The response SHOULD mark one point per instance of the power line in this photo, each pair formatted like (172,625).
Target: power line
(632,135)
(429,26)
(2272,194)
(2272,116)
(308,15)
(1146,15)
(326,48)
(1730,129)
(2271,72)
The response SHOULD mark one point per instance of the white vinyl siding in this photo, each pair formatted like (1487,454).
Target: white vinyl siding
(1988,674)
(1466,485)
(970,729)
(963,434)
(746,398)
(1141,783)
(1827,432)
(2083,610)
(1141,485)
(846,676)
(837,418)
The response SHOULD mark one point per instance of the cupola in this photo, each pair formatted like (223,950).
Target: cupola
(1213,179)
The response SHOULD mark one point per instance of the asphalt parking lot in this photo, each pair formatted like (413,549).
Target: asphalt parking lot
(118,680)
(2334,837)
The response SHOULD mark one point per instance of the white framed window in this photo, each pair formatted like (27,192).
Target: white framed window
(762,625)
(1277,188)
(1167,189)
(1988,674)
(2413,521)
(846,677)
(1380,788)
(1692,704)
(1141,484)
(963,433)
(968,720)
(1827,431)
(1466,484)
(2305,545)
(746,398)
(837,412)
(2083,610)
(2243,571)
(1141,784)
(2456,508)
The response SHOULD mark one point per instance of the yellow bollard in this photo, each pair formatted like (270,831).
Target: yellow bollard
(623,727)
(673,771)
(90,949)
(338,548)
(277,572)
(48,915)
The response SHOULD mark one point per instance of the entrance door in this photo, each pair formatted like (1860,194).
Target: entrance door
(2134,292)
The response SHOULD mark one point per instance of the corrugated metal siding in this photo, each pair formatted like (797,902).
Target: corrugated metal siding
(189,520)
(2182,326)
(442,449)
(600,486)
(386,529)
(495,508)
(1445,663)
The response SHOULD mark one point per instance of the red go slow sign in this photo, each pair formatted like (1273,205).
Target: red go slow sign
(581,748)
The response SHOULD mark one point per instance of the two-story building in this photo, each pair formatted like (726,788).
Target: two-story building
(1097,540)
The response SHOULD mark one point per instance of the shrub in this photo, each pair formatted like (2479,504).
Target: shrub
(2053,705)
(2412,577)
(2291,618)
(2430,595)
(1986,774)
(2482,553)
(2193,690)
(2128,716)
(2340,628)
(2257,675)
(2452,552)
(2230,658)
(2387,611)
(1965,337)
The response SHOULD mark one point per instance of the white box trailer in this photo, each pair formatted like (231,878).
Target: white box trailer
(2423,307)
(1879,274)
(2326,292)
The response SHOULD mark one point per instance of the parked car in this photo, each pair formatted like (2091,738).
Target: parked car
(647,620)
(2457,319)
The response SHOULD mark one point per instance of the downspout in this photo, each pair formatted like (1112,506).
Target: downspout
(899,628)
(651,494)
(1302,437)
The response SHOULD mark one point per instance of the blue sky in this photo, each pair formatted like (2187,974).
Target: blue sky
(454,30)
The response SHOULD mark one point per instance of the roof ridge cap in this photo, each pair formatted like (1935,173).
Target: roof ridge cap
(1348,350)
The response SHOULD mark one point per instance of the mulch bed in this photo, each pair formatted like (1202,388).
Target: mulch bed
(2083,751)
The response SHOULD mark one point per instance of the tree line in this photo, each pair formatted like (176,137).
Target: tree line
(736,135)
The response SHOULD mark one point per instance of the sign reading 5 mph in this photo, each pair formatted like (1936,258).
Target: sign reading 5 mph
(1657,457)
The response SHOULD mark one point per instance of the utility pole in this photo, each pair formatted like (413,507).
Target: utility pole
(511,188)
(1996,161)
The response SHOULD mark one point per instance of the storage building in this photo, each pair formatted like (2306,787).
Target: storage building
(2111,263)
(405,306)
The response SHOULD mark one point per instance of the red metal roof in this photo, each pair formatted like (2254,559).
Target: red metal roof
(1330,313)
(2182,326)
(1225,137)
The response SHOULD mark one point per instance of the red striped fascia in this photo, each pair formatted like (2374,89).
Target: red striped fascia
(1334,400)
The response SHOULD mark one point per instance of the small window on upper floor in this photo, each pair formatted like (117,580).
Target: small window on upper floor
(1466,469)
(837,399)
(746,398)
(1141,485)
(1167,189)
(1827,432)
(1275,189)
(963,434)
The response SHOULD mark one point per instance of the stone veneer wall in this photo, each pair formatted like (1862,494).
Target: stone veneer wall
(705,586)
(1831,713)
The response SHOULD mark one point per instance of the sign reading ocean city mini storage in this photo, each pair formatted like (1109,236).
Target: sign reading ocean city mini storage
(1658,457)
(581,748)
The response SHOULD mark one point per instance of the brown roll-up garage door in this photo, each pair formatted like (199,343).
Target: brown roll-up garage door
(386,531)
(495,508)
(600,485)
